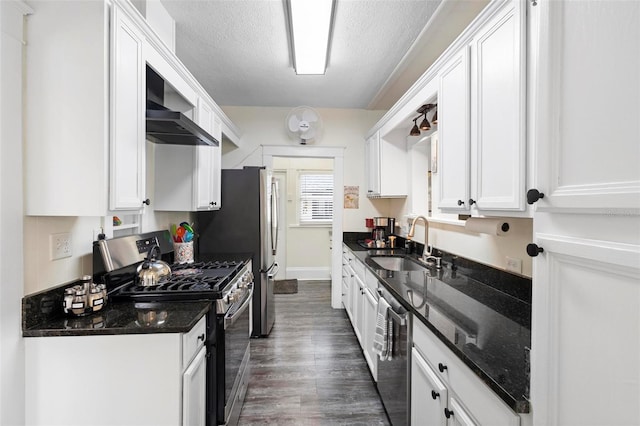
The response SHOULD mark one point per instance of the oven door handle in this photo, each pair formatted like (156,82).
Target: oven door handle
(229,320)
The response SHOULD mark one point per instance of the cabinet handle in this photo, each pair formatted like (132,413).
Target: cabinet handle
(147,202)
(534,195)
(460,202)
(441,367)
(201,337)
(471,201)
(533,250)
(434,394)
(448,413)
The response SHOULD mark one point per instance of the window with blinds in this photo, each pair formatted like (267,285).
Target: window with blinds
(316,198)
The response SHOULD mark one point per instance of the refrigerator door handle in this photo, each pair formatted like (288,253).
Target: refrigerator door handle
(275,225)
(273,270)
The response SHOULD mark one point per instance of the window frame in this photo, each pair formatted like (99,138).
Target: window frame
(300,198)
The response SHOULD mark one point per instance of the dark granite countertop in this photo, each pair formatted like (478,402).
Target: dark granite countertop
(122,318)
(481,314)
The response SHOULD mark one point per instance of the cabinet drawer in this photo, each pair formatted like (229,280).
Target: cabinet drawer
(481,401)
(193,340)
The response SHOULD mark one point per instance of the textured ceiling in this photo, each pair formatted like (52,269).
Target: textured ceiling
(239,51)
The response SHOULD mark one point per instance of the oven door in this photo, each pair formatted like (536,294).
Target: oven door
(236,356)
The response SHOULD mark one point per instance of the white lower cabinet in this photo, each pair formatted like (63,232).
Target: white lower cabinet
(429,394)
(444,391)
(369,324)
(362,305)
(128,379)
(194,391)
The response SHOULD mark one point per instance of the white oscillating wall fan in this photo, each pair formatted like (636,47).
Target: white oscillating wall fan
(304,125)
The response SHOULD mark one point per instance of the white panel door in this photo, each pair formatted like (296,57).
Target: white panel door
(205,157)
(498,112)
(194,391)
(372,164)
(458,415)
(370,305)
(586,332)
(127,143)
(428,394)
(587,147)
(453,130)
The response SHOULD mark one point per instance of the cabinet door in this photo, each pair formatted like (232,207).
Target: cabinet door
(193,391)
(458,415)
(586,332)
(428,394)
(369,331)
(372,164)
(498,111)
(588,104)
(453,130)
(358,307)
(204,180)
(127,143)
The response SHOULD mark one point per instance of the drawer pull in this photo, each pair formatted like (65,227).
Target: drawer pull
(448,413)
(434,394)
(201,337)
(441,367)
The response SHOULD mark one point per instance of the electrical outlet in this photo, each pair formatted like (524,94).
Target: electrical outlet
(514,265)
(60,245)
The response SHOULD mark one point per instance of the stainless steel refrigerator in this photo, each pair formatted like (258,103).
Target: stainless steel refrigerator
(247,222)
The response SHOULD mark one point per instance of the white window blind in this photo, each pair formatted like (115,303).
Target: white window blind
(316,197)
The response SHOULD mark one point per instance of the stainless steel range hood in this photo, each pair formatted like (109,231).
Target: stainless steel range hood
(174,128)
(167,126)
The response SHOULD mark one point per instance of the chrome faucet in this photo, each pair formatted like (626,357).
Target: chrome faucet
(426,253)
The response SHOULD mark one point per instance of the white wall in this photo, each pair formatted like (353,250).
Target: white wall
(12,368)
(342,127)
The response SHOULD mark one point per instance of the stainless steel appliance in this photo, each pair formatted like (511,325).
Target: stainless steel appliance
(247,222)
(393,373)
(225,280)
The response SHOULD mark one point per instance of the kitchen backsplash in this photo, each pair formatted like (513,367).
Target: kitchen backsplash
(42,273)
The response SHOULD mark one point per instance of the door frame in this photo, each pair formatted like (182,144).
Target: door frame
(337,154)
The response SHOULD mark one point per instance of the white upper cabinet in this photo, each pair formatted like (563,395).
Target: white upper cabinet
(385,164)
(482,116)
(187,178)
(127,142)
(208,162)
(85,145)
(372,164)
(453,130)
(498,115)
(587,151)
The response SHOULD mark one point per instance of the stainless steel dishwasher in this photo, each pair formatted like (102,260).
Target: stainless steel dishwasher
(393,374)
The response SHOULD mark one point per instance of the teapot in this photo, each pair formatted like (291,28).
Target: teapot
(152,270)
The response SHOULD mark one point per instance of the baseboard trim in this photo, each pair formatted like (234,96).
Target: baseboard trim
(309,274)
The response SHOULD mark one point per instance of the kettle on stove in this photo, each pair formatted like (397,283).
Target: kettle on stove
(152,269)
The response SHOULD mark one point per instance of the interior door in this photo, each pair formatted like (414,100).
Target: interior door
(281,235)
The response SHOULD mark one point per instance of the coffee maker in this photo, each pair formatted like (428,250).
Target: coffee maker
(383,228)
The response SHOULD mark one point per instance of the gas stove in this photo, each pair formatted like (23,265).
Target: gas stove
(216,280)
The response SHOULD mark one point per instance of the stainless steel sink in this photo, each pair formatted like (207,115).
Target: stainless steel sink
(395,263)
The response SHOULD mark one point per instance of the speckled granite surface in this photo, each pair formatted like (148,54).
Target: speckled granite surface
(482,314)
(42,315)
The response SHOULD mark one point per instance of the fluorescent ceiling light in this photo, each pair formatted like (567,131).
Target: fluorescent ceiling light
(310,23)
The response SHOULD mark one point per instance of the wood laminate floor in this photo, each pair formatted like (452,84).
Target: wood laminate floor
(310,370)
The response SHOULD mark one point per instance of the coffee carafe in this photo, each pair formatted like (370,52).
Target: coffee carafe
(381,225)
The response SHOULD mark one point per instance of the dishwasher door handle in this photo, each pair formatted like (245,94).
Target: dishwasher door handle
(401,318)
